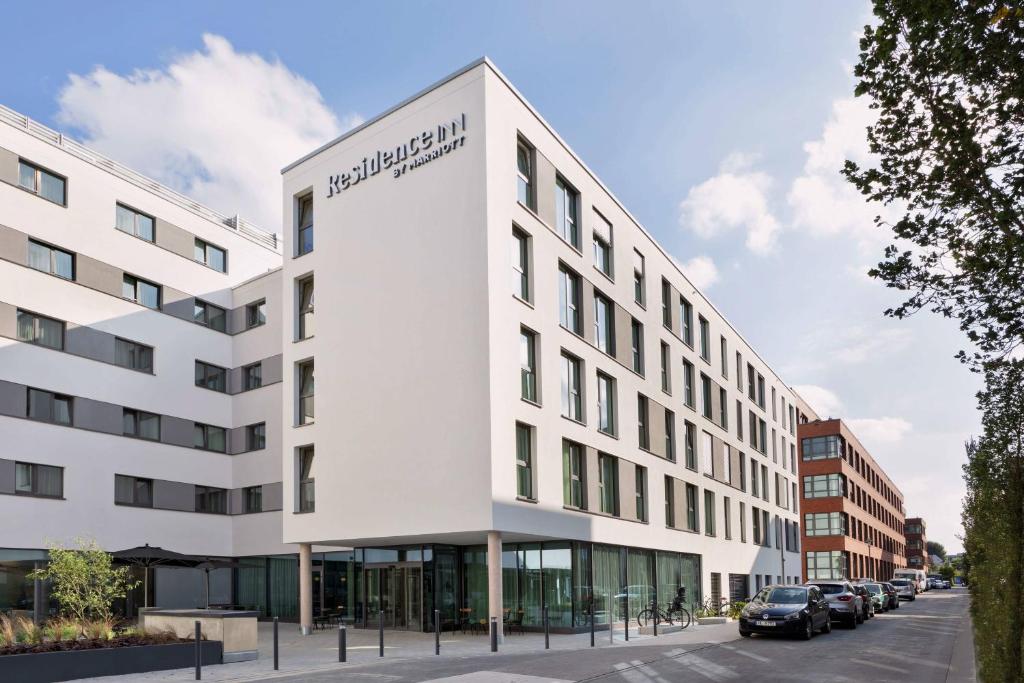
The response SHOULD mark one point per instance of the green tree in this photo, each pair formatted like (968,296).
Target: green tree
(84,581)
(936,548)
(947,572)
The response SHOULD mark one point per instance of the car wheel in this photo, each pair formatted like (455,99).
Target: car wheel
(808,629)
(827,628)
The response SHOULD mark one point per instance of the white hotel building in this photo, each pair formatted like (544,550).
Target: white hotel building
(522,401)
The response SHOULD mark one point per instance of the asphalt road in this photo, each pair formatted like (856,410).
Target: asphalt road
(919,642)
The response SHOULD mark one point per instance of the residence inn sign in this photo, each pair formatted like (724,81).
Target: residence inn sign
(407,156)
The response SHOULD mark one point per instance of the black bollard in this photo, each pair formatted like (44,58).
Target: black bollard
(437,632)
(591,625)
(494,634)
(626,620)
(199,652)
(547,637)
(380,632)
(342,644)
(654,608)
(275,644)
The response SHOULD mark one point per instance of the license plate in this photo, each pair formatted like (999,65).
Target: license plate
(764,623)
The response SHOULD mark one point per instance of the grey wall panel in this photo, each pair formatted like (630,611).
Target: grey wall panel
(178,303)
(90,343)
(98,416)
(174,495)
(236,501)
(718,457)
(273,369)
(8,320)
(13,399)
(173,238)
(13,245)
(273,496)
(236,320)
(7,476)
(656,417)
(99,275)
(236,441)
(593,501)
(8,166)
(176,431)
(623,336)
(587,309)
(677,313)
(544,189)
(627,490)
(234,380)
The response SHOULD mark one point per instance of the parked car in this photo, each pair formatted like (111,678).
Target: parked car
(915,575)
(890,590)
(934,583)
(946,584)
(786,609)
(844,603)
(878,597)
(868,607)
(905,589)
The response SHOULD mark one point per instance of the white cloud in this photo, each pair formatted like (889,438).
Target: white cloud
(879,430)
(215,124)
(823,401)
(701,271)
(735,198)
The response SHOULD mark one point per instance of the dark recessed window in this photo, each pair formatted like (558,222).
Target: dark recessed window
(140,291)
(51,260)
(211,255)
(209,315)
(44,183)
(141,424)
(47,406)
(133,355)
(37,329)
(210,438)
(211,377)
(256,437)
(305,226)
(256,313)
(253,376)
(31,479)
(211,499)
(133,491)
(135,223)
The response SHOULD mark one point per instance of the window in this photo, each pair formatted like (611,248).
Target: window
(755,518)
(792,421)
(743,471)
(775,412)
(133,355)
(47,406)
(766,528)
(305,227)
(762,431)
(41,182)
(133,491)
(666,304)
(524,460)
(666,368)
(727,463)
(751,383)
(31,479)
(307,494)
(739,371)
(637,337)
(524,174)
(256,314)
(605,403)
(208,315)
(724,350)
(641,493)
(709,513)
(739,420)
(572,390)
(211,499)
(209,438)
(569,299)
(686,315)
(211,377)
(573,469)
(639,279)
(602,254)
(825,524)
(521,264)
(141,291)
(51,260)
(306,308)
(604,324)
(670,502)
(528,364)
(760,391)
(705,394)
(252,376)
(253,498)
(135,223)
(723,408)
(692,515)
(141,424)
(828,564)
(670,435)
(38,329)
(705,341)
(256,437)
(643,422)
(707,453)
(688,398)
(608,483)
(690,443)
(743,522)
(821,447)
(764,483)
(753,478)
(566,213)
(211,255)
(306,393)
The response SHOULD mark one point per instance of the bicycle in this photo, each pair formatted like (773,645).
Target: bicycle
(722,608)
(668,616)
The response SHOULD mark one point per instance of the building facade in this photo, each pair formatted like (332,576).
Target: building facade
(853,514)
(521,401)
(917,544)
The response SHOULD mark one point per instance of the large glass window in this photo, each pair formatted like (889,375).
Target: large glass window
(569,299)
(252,376)
(604,324)
(256,314)
(709,512)
(705,339)
(31,479)
(705,395)
(824,486)
(670,435)
(690,437)
(256,436)
(253,499)
(688,396)
(826,565)
(38,329)
(141,424)
(825,524)
(528,364)
(666,368)
(211,255)
(639,278)
(304,231)
(135,223)
(306,393)
(574,475)
(307,495)
(608,483)
(724,351)
(821,447)
(556,560)
(306,307)
(686,316)
(208,315)
(670,502)
(605,403)
(666,303)
(637,336)
(643,421)
(140,291)
(521,264)
(211,376)
(211,499)
(42,182)
(572,391)
(524,460)
(47,406)
(602,255)
(692,514)
(133,491)
(133,355)
(51,260)
(641,493)
(567,212)
(210,438)
(524,174)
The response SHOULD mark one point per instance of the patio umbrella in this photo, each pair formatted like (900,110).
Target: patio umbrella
(147,556)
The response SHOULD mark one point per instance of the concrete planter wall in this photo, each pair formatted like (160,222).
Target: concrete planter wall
(50,667)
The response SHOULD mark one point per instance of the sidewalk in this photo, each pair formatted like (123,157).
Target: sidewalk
(318,652)
(962,665)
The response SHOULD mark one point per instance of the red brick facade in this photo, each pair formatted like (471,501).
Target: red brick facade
(917,544)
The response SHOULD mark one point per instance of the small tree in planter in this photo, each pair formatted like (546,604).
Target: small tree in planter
(84,580)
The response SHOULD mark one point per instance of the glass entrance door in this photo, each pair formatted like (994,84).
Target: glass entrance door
(394,593)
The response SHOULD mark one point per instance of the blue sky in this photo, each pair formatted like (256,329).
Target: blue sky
(720,125)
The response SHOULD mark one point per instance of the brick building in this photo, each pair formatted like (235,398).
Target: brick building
(917,543)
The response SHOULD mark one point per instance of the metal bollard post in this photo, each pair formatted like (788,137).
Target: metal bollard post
(625,619)
(199,652)
(494,634)
(547,638)
(380,631)
(342,643)
(437,632)
(611,622)
(592,619)
(654,608)
(275,644)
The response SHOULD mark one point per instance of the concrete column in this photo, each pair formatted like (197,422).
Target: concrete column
(306,588)
(494,598)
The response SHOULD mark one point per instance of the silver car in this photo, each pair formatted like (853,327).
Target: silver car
(843,602)
(904,589)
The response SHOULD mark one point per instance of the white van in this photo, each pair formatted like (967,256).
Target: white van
(916,575)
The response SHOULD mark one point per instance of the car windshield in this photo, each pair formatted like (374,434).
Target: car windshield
(873,588)
(900,582)
(831,588)
(783,596)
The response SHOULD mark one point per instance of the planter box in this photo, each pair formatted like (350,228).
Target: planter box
(707,621)
(50,667)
